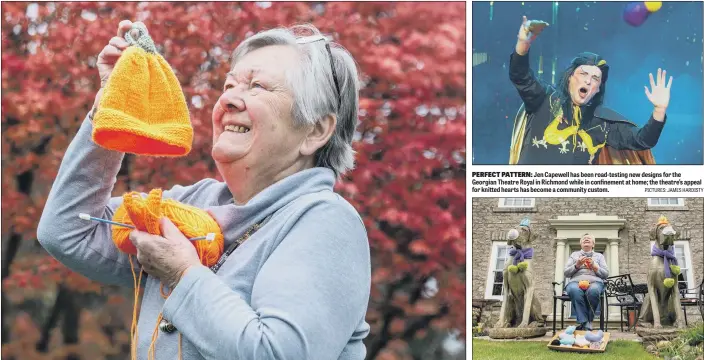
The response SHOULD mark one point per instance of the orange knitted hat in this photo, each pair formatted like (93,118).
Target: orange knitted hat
(143,109)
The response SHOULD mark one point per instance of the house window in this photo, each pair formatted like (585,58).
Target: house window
(495,278)
(516,202)
(665,201)
(684,261)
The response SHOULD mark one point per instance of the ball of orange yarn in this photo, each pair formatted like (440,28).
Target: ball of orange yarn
(145,214)
(584,285)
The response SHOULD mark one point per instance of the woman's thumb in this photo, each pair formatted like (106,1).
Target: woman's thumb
(169,229)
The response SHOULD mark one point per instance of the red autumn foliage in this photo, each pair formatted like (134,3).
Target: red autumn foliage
(409,183)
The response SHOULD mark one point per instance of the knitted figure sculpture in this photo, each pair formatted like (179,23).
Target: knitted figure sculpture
(592,337)
(570,329)
(581,341)
(563,335)
(567,340)
(143,109)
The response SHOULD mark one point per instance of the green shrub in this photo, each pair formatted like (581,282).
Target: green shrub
(688,345)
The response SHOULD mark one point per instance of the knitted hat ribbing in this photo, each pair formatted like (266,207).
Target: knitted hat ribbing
(143,109)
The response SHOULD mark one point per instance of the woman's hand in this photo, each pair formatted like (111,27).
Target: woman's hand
(580,261)
(108,57)
(165,257)
(112,51)
(595,266)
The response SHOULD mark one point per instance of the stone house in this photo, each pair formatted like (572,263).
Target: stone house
(621,227)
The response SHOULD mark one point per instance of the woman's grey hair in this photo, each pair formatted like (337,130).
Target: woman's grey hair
(315,95)
(590,236)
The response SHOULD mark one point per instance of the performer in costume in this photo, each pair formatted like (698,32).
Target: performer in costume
(568,124)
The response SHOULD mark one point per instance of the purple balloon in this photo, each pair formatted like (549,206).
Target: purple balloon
(635,13)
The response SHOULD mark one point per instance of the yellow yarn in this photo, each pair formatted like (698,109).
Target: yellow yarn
(143,109)
(145,215)
(194,222)
(121,232)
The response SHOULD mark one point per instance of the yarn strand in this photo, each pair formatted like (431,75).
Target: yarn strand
(134,333)
(134,312)
(155,334)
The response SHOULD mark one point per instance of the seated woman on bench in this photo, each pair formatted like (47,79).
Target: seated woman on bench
(590,266)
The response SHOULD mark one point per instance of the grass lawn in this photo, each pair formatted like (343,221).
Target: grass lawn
(500,350)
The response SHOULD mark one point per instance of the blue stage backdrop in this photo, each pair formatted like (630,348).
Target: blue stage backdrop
(670,38)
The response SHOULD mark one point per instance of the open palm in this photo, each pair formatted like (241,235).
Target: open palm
(659,94)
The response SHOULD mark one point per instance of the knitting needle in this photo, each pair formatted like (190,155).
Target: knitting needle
(209,236)
(88,217)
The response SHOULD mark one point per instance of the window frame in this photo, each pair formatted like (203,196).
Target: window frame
(503,205)
(491,269)
(680,202)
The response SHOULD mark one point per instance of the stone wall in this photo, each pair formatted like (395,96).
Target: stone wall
(491,222)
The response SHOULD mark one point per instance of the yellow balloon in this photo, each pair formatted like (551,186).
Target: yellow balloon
(653,6)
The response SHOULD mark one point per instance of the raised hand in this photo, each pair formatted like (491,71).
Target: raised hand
(530,29)
(112,51)
(659,93)
(108,58)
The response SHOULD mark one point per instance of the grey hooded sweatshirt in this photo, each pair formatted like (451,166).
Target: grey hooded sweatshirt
(297,289)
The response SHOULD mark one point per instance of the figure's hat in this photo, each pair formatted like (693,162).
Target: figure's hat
(143,110)
(663,220)
(525,222)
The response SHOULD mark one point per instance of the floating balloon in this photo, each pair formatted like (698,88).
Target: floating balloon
(653,6)
(635,13)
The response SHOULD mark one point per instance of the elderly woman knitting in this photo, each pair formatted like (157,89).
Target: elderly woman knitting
(297,287)
(586,271)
